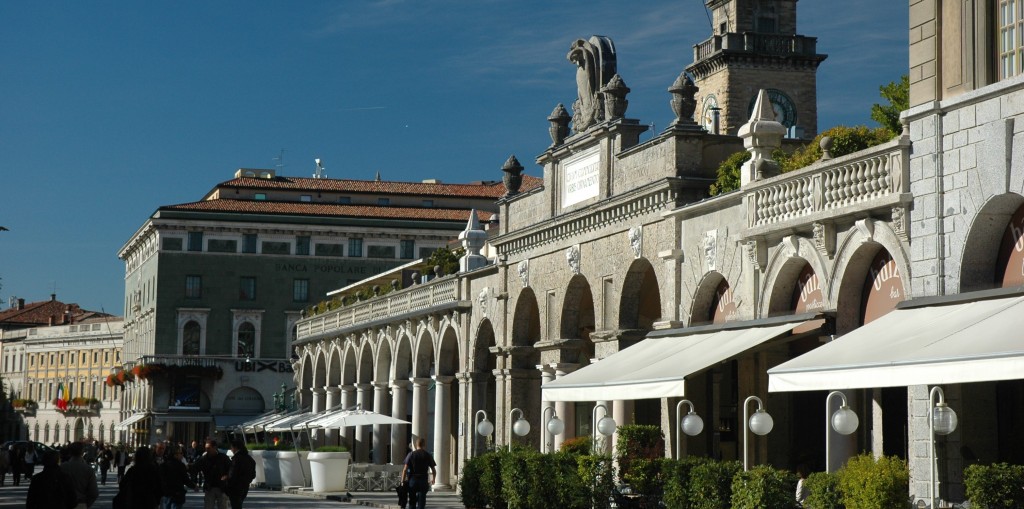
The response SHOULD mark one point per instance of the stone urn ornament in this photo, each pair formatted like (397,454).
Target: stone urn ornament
(559,128)
(513,178)
(684,99)
(615,102)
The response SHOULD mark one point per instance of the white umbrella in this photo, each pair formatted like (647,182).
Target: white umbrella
(349,418)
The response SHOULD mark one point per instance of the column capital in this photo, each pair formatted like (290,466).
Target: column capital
(421,382)
(563,368)
(347,388)
(380,385)
(443,379)
(545,368)
(401,384)
(332,390)
(471,376)
(318,390)
(364,387)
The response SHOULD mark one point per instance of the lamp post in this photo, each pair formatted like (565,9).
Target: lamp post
(484,427)
(760,423)
(941,421)
(691,425)
(521,426)
(606,426)
(552,426)
(844,421)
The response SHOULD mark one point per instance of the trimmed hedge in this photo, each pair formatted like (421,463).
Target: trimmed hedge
(711,484)
(870,484)
(677,480)
(996,486)
(764,487)
(823,491)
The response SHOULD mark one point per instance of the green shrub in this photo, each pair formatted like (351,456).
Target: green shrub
(516,482)
(676,476)
(845,140)
(598,479)
(996,486)
(256,447)
(823,491)
(578,445)
(729,174)
(470,484)
(763,487)
(645,479)
(571,488)
(332,448)
(711,484)
(869,484)
(638,441)
(491,482)
(542,484)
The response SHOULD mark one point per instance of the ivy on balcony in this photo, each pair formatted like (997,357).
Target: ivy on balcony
(159,370)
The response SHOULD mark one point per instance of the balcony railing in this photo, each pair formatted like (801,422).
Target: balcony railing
(438,292)
(749,42)
(855,179)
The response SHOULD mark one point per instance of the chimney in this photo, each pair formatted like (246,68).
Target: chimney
(21,304)
(53,297)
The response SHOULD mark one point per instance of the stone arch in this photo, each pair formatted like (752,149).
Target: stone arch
(384,361)
(402,365)
(305,394)
(244,400)
(705,297)
(640,301)
(578,320)
(365,356)
(980,252)
(483,360)
(448,352)
(526,328)
(334,366)
(423,359)
(320,369)
(854,256)
(350,368)
(784,267)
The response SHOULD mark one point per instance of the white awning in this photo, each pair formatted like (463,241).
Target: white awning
(132,419)
(657,367)
(973,341)
(293,422)
(231,421)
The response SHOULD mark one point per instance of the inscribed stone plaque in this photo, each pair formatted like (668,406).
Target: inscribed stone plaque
(580,180)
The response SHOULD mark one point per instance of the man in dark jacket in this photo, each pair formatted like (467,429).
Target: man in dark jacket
(83,477)
(51,488)
(215,467)
(174,477)
(241,474)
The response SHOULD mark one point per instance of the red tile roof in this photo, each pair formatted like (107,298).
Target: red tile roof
(483,190)
(34,314)
(328,210)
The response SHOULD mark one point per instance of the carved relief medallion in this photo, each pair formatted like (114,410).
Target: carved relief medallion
(710,246)
(572,256)
(636,235)
(524,272)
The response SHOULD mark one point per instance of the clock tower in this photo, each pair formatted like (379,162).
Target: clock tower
(755,45)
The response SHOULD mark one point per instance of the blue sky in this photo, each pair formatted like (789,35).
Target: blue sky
(111,109)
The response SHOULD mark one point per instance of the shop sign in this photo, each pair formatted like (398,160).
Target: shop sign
(1011,253)
(883,287)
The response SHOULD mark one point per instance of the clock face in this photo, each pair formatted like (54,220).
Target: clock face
(707,117)
(785,110)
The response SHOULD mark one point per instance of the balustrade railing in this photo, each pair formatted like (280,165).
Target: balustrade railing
(828,185)
(420,297)
(771,44)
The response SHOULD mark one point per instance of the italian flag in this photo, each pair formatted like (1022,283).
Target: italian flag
(62,397)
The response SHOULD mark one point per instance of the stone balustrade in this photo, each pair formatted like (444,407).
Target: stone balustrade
(854,181)
(749,42)
(413,300)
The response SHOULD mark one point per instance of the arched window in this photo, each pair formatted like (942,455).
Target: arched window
(190,339)
(246,340)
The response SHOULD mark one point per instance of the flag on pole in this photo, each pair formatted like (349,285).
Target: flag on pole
(62,402)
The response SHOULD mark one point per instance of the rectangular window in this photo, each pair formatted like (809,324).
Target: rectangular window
(106,357)
(306,198)
(380,251)
(222,246)
(300,290)
(260,196)
(172,244)
(195,241)
(247,288)
(95,357)
(344,200)
(193,287)
(330,250)
(383,201)
(425,252)
(355,248)
(302,245)
(428,203)
(249,243)
(407,249)
(1011,38)
(277,248)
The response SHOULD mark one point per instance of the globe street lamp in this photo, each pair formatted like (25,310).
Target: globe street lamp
(691,424)
(760,423)
(941,421)
(521,427)
(553,426)
(484,427)
(606,426)
(844,421)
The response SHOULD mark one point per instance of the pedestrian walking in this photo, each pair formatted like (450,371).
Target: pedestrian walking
(215,467)
(241,474)
(415,470)
(51,488)
(121,461)
(17,463)
(29,459)
(83,477)
(174,478)
(5,464)
(140,486)
(105,459)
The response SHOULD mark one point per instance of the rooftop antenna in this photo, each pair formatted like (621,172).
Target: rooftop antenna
(319,173)
(280,162)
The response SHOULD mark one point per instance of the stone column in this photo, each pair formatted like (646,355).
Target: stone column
(442,430)
(399,409)
(621,412)
(380,431)
(333,399)
(420,426)
(364,399)
(547,374)
(501,407)
(348,400)
(316,437)
(566,409)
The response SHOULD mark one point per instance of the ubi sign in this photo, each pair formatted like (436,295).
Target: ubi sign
(256,366)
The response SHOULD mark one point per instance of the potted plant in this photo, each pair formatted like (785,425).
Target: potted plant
(294,465)
(328,468)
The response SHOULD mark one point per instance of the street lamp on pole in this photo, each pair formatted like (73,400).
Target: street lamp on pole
(521,427)
(552,426)
(941,421)
(484,427)
(760,423)
(844,421)
(691,424)
(606,426)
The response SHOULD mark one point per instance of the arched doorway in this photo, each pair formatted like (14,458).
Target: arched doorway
(484,387)
(446,407)
(524,379)
(639,308)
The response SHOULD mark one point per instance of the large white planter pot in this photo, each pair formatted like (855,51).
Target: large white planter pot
(261,476)
(329,471)
(271,469)
(294,468)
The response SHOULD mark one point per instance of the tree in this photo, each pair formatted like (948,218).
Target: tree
(898,96)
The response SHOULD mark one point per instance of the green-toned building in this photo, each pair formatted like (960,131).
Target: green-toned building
(214,287)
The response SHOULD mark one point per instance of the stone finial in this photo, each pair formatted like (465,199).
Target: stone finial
(513,176)
(438,271)
(684,99)
(761,135)
(615,102)
(473,239)
(394,284)
(559,128)
(826,148)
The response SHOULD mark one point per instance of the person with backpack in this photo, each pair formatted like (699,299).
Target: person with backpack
(240,475)
(415,470)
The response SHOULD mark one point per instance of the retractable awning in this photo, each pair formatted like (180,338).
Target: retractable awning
(657,367)
(292,422)
(132,419)
(919,343)
(229,421)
